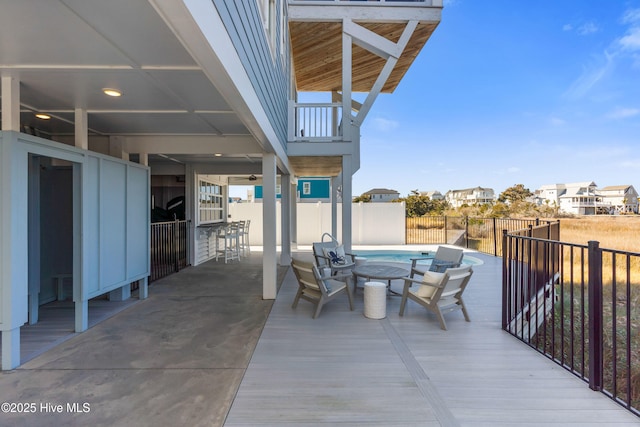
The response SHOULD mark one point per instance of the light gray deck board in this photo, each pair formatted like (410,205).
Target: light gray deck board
(342,368)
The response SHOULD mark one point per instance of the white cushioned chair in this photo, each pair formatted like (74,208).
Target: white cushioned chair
(318,289)
(439,292)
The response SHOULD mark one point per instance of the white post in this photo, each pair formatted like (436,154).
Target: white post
(285,206)
(269,243)
(335,184)
(81,129)
(346,85)
(294,215)
(346,202)
(10,103)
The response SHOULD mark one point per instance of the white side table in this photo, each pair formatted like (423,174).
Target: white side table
(375,300)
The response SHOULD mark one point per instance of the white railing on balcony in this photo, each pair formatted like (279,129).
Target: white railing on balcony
(315,122)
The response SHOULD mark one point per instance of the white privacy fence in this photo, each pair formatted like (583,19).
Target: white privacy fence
(372,223)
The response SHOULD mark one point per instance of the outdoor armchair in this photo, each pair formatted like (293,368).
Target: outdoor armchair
(445,258)
(318,289)
(439,292)
(329,253)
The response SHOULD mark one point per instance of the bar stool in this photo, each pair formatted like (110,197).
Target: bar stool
(243,232)
(227,241)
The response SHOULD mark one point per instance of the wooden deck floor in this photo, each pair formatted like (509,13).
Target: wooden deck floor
(344,369)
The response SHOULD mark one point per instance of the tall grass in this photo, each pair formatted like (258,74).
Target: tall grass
(621,293)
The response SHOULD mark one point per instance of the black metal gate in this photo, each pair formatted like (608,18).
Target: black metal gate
(169,248)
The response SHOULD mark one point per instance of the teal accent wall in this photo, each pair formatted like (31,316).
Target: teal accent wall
(320,188)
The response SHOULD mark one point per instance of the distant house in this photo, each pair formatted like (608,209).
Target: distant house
(433,195)
(309,190)
(579,198)
(621,198)
(470,196)
(382,195)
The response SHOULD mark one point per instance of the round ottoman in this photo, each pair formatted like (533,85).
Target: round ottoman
(375,300)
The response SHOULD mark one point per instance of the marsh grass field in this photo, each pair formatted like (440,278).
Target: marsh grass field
(613,232)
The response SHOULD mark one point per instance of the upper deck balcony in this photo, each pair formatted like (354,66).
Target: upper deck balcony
(382,39)
(316,29)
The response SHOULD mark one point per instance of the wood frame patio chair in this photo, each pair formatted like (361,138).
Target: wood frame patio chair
(321,252)
(445,258)
(439,292)
(317,289)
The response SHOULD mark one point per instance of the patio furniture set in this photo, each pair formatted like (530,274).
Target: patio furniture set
(437,286)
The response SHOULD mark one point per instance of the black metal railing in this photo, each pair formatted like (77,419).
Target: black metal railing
(169,248)
(481,234)
(579,305)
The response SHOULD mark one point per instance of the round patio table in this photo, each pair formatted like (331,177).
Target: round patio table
(380,272)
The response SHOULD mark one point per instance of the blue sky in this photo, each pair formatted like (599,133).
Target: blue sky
(508,92)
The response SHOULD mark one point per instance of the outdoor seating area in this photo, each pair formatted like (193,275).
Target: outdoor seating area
(345,368)
(268,364)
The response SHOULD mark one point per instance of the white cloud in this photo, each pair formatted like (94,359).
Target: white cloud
(587,28)
(591,76)
(556,121)
(623,113)
(631,40)
(567,27)
(384,125)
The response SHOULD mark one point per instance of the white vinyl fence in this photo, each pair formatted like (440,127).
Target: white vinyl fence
(372,223)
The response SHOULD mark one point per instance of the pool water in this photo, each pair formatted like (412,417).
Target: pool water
(405,256)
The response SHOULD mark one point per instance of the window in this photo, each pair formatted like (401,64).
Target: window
(210,202)
(306,188)
(278,189)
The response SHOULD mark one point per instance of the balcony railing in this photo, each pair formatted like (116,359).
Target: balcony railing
(577,305)
(315,122)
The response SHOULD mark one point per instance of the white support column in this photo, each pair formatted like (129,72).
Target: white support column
(116,147)
(14,246)
(10,349)
(346,203)
(10,103)
(346,83)
(191,209)
(269,244)
(34,239)
(143,159)
(80,276)
(81,129)
(143,288)
(294,215)
(81,312)
(335,185)
(285,219)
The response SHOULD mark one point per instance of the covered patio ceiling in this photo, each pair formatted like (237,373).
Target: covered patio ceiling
(65,52)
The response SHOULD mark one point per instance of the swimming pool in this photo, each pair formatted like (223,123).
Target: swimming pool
(405,256)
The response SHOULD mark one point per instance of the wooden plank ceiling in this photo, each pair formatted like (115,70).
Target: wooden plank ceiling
(317,55)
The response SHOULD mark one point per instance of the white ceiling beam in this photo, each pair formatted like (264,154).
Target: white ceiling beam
(371,41)
(363,11)
(192,144)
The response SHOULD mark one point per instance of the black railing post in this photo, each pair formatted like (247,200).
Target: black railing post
(446,229)
(495,238)
(505,284)
(595,316)
(174,251)
(466,230)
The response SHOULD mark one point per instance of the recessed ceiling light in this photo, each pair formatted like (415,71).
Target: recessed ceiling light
(218,154)
(43,116)
(111,92)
